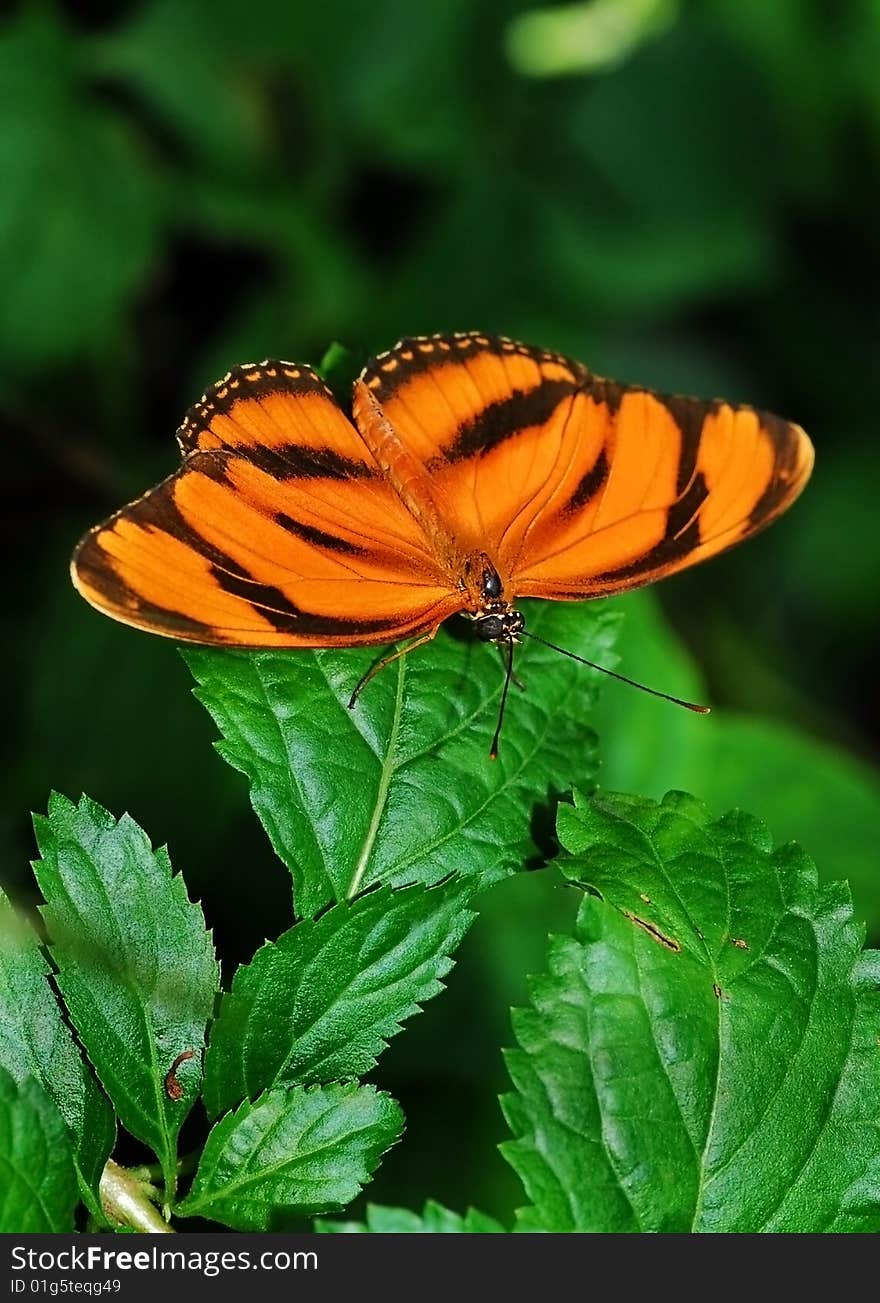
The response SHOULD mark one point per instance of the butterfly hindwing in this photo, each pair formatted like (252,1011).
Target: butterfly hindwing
(278,530)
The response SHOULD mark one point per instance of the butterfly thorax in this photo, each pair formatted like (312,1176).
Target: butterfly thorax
(495,618)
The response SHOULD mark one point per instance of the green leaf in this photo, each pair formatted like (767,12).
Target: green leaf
(38,1191)
(291,1153)
(802,787)
(569,39)
(322,1002)
(428,800)
(702,1054)
(340,366)
(136,966)
(35,1042)
(433,1220)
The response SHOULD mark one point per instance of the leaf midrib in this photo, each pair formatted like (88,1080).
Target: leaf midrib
(790,1068)
(385,775)
(351,991)
(156,1122)
(240,1183)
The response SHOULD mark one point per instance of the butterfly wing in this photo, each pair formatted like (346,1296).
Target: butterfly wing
(279,530)
(576,486)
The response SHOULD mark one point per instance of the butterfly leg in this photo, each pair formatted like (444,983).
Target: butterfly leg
(388,660)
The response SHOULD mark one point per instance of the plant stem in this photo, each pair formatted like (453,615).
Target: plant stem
(125,1201)
(148,1173)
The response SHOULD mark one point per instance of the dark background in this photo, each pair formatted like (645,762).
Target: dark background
(679,194)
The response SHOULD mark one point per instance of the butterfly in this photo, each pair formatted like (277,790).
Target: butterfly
(474,471)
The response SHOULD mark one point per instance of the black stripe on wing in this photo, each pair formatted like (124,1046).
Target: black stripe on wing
(502,420)
(415,354)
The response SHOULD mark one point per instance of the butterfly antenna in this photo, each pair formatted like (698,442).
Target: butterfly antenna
(677,701)
(493,750)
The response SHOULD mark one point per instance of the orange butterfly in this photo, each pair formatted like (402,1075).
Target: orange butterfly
(476,471)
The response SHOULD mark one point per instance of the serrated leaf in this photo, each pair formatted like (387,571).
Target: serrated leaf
(803,787)
(35,1042)
(428,800)
(136,966)
(38,1191)
(702,1055)
(292,1153)
(322,1002)
(433,1220)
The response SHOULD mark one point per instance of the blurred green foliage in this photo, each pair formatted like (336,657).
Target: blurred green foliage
(189,185)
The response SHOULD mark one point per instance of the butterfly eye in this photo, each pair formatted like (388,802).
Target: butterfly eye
(491,582)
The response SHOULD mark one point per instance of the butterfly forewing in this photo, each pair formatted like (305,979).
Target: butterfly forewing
(677,480)
(279,530)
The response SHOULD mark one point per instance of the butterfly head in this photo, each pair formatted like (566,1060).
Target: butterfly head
(503,624)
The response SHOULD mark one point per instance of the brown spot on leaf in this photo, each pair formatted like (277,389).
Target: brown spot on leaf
(173,1087)
(653,931)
